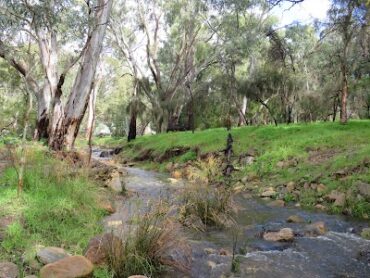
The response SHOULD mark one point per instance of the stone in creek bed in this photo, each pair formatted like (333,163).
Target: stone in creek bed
(315,229)
(295,219)
(285,234)
(269,246)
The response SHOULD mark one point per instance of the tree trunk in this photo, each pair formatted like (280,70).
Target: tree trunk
(242,112)
(343,110)
(91,112)
(133,112)
(66,133)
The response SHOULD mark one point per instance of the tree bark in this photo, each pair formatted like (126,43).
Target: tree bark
(65,134)
(343,110)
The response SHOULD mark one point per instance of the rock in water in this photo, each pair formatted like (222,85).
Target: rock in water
(8,270)
(277,203)
(295,219)
(50,255)
(285,234)
(69,267)
(270,192)
(315,229)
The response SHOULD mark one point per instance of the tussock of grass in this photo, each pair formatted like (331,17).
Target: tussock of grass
(146,249)
(57,207)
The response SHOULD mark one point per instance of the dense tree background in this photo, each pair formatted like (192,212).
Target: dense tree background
(179,65)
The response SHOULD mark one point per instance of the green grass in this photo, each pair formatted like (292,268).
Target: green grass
(318,150)
(57,208)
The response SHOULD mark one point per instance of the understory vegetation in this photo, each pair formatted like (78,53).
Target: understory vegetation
(322,153)
(148,244)
(58,207)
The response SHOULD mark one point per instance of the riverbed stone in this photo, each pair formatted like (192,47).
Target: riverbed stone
(49,255)
(295,219)
(69,267)
(269,192)
(365,233)
(8,270)
(315,229)
(101,247)
(277,203)
(285,234)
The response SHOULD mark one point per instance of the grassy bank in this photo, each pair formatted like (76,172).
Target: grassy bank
(57,208)
(331,154)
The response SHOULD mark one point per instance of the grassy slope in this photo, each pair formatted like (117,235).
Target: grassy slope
(321,150)
(57,208)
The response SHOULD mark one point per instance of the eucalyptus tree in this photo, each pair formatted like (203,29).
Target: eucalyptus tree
(346,17)
(49,25)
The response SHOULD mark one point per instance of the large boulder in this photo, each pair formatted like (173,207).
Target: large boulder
(116,182)
(8,270)
(285,234)
(50,255)
(101,247)
(69,267)
(315,229)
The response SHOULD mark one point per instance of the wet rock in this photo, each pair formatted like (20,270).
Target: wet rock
(100,248)
(321,188)
(224,252)
(69,267)
(269,246)
(295,219)
(290,186)
(365,233)
(270,192)
(297,205)
(210,251)
(315,229)
(49,255)
(211,264)
(338,197)
(285,234)
(364,189)
(277,203)
(364,256)
(8,270)
(172,180)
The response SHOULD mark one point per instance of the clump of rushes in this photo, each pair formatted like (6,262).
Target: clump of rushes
(205,200)
(58,206)
(153,242)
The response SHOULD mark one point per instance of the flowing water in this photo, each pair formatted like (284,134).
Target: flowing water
(338,253)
